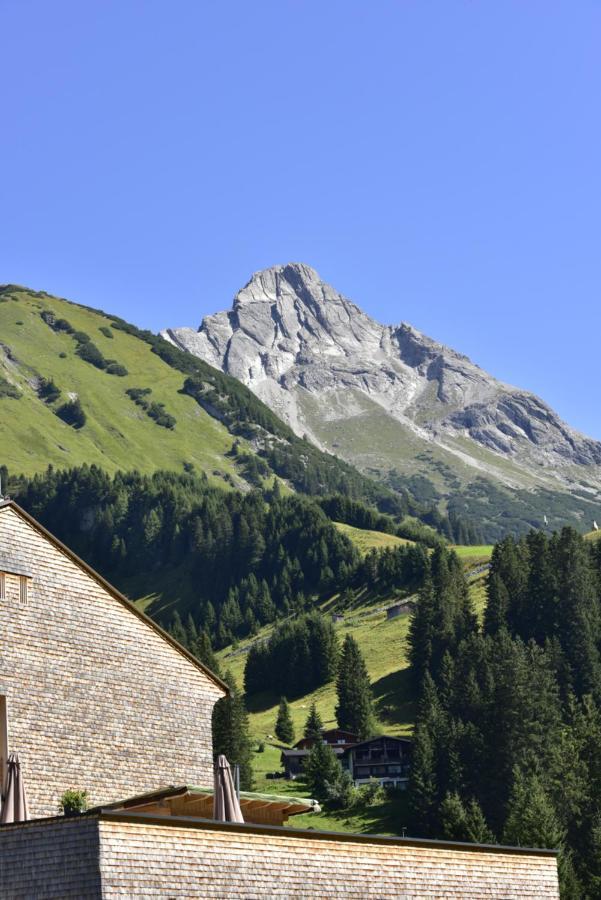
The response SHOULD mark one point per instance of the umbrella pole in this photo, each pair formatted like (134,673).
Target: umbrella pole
(237,776)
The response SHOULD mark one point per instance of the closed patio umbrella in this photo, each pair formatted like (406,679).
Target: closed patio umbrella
(14,806)
(226,807)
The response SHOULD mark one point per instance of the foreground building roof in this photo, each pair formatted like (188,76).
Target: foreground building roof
(112,853)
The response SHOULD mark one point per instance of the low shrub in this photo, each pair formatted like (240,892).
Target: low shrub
(73,803)
(155,411)
(72,413)
(372,793)
(90,353)
(341,793)
(115,368)
(48,390)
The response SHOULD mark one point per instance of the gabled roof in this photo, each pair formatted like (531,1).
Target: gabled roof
(327,731)
(10,504)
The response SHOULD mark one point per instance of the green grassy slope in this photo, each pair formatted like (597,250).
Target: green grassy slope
(370,540)
(118,434)
(213,411)
(383,644)
(497,494)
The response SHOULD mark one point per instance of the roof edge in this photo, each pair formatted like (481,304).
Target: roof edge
(107,814)
(213,824)
(12,504)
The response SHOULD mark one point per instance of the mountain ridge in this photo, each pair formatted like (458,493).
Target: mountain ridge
(321,363)
(141,403)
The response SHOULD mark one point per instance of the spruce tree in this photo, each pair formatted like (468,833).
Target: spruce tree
(423,779)
(321,768)
(314,724)
(421,633)
(477,830)
(178,632)
(463,821)
(497,604)
(354,711)
(284,729)
(203,650)
(230,732)
(532,820)
(453,817)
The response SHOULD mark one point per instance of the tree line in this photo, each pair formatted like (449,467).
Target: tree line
(507,743)
(226,562)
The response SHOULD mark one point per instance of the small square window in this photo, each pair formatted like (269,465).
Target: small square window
(23,590)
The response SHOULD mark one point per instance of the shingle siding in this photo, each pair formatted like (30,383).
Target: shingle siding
(96,698)
(149,859)
(167,861)
(44,861)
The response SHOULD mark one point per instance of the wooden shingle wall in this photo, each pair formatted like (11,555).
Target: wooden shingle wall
(96,698)
(150,860)
(107,858)
(50,860)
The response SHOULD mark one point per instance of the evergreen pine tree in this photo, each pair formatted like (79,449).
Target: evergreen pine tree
(531,818)
(284,729)
(423,780)
(203,650)
(421,633)
(314,724)
(321,768)
(230,732)
(477,830)
(354,711)
(497,604)
(178,632)
(453,818)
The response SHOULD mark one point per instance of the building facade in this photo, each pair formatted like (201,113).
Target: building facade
(386,759)
(110,855)
(93,695)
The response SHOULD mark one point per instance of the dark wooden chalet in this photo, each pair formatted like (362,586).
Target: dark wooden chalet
(339,740)
(387,759)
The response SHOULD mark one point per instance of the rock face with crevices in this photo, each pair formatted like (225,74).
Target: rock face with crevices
(332,372)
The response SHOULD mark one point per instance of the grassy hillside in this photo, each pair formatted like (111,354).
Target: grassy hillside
(146,405)
(498,495)
(117,434)
(366,540)
(383,644)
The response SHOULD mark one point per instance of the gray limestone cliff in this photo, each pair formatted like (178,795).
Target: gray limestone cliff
(332,372)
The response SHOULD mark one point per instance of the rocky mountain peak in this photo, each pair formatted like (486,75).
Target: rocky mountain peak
(321,363)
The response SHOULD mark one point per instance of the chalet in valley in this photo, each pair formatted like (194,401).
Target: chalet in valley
(95,696)
(293,758)
(384,758)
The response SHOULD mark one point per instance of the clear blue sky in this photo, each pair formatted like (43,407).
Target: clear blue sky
(438,162)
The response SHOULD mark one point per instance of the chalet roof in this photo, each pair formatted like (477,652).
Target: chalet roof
(294,752)
(327,731)
(383,737)
(10,504)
